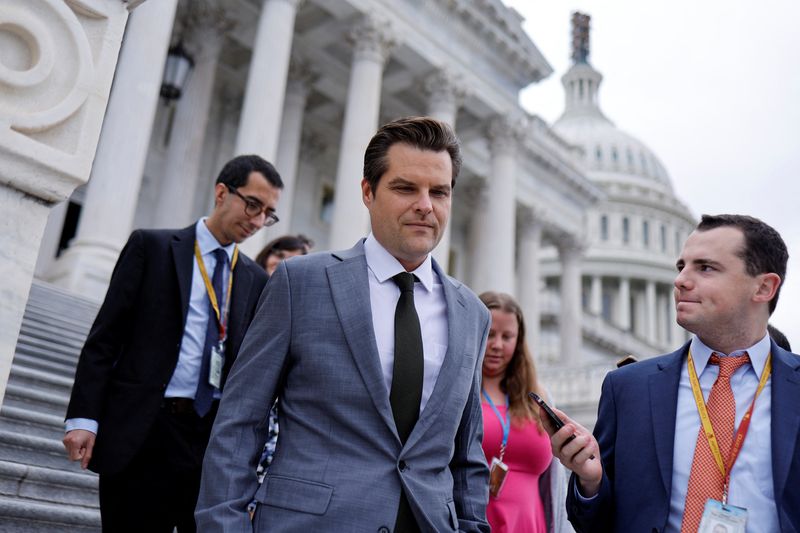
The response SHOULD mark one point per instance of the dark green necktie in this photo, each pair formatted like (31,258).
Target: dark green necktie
(407,372)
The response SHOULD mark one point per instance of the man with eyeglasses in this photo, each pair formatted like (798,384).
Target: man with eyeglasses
(150,374)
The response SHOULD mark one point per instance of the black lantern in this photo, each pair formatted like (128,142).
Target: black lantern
(176,70)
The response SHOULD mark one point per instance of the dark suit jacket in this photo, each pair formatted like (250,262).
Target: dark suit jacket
(636,428)
(132,349)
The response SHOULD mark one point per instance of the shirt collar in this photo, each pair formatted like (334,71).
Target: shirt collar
(384,265)
(758,354)
(208,243)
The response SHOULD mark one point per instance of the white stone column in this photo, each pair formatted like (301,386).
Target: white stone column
(56,68)
(259,127)
(662,318)
(569,323)
(107,213)
(596,296)
(206,25)
(677,333)
(624,304)
(498,237)
(445,93)
(300,79)
(530,282)
(473,193)
(650,311)
(372,43)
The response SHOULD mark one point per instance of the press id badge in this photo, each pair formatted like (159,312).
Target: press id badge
(215,368)
(497,476)
(721,518)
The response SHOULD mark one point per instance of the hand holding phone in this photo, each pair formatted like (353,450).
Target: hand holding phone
(554,419)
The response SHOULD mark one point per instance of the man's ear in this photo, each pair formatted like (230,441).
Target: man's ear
(767,287)
(220,192)
(366,193)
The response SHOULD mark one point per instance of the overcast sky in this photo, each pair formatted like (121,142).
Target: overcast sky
(712,87)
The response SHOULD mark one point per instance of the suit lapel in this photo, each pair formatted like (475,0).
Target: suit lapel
(456,347)
(241,292)
(350,291)
(785,415)
(182,256)
(663,408)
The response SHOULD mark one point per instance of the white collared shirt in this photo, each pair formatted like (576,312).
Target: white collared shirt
(751,478)
(183,383)
(429,302)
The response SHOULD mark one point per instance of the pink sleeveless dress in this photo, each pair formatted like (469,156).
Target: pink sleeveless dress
(518,508)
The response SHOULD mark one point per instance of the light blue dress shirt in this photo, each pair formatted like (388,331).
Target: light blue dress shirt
(183,383)
(751,478)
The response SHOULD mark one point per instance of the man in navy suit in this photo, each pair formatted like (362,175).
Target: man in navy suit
(646,469)
(150,374)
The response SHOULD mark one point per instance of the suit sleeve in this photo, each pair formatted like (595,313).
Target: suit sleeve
(108,333)
(229,479)
(468,466)
(597,514)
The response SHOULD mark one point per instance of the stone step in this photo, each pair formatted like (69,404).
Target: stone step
(29,516)
(40,380)
(32,450)
(28,422)
(48,317)
(26,344)
(48,485)
(35,400)
(58,368)
(69,336)
(43,355)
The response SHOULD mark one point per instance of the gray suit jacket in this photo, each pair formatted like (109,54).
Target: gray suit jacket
(339,464)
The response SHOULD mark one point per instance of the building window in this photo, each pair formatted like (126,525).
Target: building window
(626,230)
(663,238)
(614,154)
(326,204)
(630,157)
(598,153)
(678,243)
(604,227)
(644,163)
(646,234)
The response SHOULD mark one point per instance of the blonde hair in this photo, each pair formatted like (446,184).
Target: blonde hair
(520,375)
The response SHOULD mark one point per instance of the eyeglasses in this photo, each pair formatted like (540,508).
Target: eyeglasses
(253,208)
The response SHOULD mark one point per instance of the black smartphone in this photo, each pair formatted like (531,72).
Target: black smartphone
(557,422)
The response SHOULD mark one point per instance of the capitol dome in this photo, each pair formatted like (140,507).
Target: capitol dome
(610,154)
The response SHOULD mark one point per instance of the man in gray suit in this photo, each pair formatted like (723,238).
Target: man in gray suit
(379,385)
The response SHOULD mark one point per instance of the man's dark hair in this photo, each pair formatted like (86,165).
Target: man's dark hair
(424,133)
(764,250)
(235,172)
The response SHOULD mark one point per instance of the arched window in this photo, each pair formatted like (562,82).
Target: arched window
(626,230)
(604,227)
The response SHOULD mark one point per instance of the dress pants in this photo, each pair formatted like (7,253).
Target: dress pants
(158,490)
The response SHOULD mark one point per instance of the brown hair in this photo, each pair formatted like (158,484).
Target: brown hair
(520,376)
(423,133)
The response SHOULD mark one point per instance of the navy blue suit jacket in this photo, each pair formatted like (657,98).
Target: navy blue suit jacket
(635,430)
(133,346)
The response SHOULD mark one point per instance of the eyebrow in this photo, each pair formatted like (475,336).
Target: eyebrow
(699,262)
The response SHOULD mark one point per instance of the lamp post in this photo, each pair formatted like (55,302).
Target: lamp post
(178,65)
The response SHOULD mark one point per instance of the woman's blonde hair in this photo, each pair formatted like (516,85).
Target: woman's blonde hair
(520,375)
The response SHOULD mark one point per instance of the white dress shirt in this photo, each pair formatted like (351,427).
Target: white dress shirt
(183,383)
(429,302)
(751,478)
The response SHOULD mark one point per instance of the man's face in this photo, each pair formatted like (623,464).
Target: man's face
(411,203)
(714,294)
(234,224)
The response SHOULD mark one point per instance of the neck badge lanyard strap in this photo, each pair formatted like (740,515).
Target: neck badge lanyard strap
(222,315)
(505,423)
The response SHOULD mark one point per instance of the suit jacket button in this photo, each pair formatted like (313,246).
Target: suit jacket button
(384,529)
(402,466)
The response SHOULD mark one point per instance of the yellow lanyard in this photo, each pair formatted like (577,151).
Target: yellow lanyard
(706,421)
(212,296)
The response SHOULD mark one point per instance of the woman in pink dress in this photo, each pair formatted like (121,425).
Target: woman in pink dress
(527,487)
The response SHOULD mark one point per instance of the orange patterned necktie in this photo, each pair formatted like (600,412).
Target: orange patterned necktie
(705,479)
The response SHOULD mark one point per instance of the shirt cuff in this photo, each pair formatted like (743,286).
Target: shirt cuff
(581,498)
(86,424)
